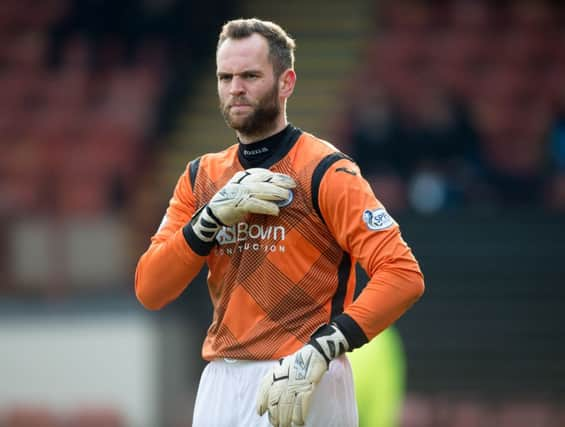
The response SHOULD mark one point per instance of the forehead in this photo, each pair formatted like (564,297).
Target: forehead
(240,54)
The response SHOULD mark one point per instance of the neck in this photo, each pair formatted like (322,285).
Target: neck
(279,125)
(268,151)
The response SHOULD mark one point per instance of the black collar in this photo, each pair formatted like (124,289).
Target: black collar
(268,151)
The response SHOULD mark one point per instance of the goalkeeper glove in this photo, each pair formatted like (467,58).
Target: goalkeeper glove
(286,391)
(253,190)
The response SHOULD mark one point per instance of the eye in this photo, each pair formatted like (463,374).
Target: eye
(224,77)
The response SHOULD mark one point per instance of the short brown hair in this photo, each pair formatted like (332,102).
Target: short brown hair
(281,45)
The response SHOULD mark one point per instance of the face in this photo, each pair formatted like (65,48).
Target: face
(247,88)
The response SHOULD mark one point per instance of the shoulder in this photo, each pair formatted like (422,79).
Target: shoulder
(213,163)
(315,155)
(226,155)
(322,152)
(315,146)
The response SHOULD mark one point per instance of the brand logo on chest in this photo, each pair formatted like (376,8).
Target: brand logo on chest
(243,231)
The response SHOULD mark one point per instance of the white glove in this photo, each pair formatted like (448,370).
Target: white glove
(254,190)
(286,391)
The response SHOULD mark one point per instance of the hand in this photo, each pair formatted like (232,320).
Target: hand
(254,190)
(286,391)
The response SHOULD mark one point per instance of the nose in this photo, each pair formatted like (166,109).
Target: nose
(236,86)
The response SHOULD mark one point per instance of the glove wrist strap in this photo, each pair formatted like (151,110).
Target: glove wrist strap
(201,231)
(329,341)
(210,213)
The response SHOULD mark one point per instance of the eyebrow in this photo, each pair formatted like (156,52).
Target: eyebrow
(225,74)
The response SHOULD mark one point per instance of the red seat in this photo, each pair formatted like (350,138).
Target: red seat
(532,16)
(83,195)
(471,15)
(96,417)
(417,411)
(22,177)
(458,59)
(27,416)
(469,413)
(40,14)
(525,414)
(504,85)
(408,16)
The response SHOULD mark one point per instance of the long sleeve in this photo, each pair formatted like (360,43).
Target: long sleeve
(364,229)
(169,264)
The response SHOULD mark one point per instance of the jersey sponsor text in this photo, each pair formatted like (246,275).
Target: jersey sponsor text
(250,237)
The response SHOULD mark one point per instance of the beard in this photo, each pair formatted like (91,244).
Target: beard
(260,120)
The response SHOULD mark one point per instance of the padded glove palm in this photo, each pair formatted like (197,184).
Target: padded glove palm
(253,190)
(286,391)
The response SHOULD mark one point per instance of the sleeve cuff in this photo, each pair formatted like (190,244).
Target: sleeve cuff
(198,246)
(351,330)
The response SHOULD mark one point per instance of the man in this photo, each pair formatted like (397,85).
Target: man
(280,218)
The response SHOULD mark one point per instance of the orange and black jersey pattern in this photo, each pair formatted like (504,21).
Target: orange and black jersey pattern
(274,280)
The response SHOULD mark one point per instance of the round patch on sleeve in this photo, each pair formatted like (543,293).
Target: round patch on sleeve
(379,219)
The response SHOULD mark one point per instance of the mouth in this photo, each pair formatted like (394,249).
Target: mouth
(237,101)
(239,107)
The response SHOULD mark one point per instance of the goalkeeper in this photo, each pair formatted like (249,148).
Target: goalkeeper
(280,218)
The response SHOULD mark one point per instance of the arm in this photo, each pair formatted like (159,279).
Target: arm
(170,263)
(362,228)
(351,210)
(185,238)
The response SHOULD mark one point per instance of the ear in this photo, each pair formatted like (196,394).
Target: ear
(287,80)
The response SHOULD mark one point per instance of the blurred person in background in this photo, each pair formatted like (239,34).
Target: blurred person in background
(280,218)
(375,128)
(456,114)
(426,148)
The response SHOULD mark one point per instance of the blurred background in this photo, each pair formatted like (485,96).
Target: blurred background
(455,110)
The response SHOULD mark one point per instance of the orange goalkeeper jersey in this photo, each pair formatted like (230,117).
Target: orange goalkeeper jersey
(274,280)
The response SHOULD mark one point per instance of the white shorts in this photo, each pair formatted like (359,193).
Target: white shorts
(228,390)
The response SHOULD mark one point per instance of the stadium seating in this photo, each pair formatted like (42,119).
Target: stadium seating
(72,117)
(501,60)
(447,410)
